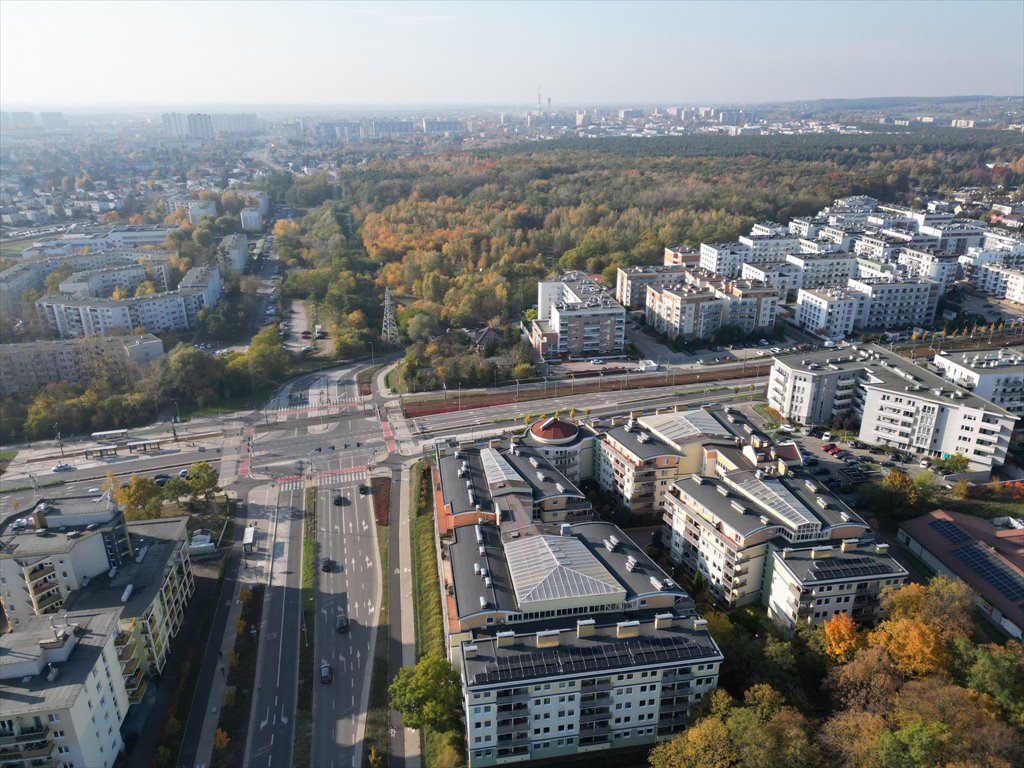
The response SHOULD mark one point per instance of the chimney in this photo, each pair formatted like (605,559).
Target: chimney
(469,652)
(505,639)
(881,549)
(819,553)
(548,638)
(627,629)
(663,620)
(848,545)
(585,628)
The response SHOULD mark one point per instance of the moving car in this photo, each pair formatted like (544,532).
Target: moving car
(339,500)
(363,490)
(183,474)
(326,673)
(341,623)
(62,467)
(325,564)
(93,490)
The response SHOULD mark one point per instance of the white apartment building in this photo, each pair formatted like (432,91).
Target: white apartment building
(63,693)
(1000,282)
(823,270)
(955,236)
(770,247)
(724,525)
(842,235)
(200,209)
(703,299)
(1001,240)
(831,313)
(175,125)
(812,585)
(995,376)
(806,227)
(200,126)
(784,277)
(103,282)
(631,282)
(899,403)
(576,319)
(236,251)
(724,259)
(941,267)
(98,239)
(878,247)
(28,367)
(907,302)
(251,218)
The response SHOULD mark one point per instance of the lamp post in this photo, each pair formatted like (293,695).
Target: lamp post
(517,389)
(60,443)
(460,395)
(373,358)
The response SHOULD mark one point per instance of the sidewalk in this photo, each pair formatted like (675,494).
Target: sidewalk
(250,572)
(408,746)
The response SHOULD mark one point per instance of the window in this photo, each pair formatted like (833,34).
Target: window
(62,750)
(54,719)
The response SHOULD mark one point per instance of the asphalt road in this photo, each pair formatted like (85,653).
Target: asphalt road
(345,536)
(272,723)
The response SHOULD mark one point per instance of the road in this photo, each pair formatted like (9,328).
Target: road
(347,536)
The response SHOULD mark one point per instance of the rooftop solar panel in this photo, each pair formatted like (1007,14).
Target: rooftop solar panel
(992,570)
(953,532)
(850,568)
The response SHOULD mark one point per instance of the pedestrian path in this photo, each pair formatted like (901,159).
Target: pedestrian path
(323,479)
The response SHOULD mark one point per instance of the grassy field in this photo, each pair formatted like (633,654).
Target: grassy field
(429,617)
(303,741)
(12,249)
(8,455)
(250,400)
(987,508)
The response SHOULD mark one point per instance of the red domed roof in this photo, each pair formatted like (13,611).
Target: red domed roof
(554,430)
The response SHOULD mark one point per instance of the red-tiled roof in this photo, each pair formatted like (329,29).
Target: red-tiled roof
(554,429)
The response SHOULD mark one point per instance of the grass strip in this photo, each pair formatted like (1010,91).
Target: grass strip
(302,746)
(375,740)
(427,597)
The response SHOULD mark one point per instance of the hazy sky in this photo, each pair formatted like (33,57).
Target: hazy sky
(62,55)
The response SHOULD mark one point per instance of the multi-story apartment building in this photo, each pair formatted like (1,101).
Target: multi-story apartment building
(823,270)
(877,246)
(724,259)
(1000,282)
(569,447)
(251,219)
(236,251)
(704,302)
(680,256)
(200,209)
(832,313)
(896,303)
(955,236)
(784,277)
(769,247)
(724,524)
(631,282)
(684,310)
(200,126)
(71,316)
(941,267)
(1000,240)
(811,585)
(576,319)
(521,599)
(93,239)
(29,366)
(63,694)
(995,376)
(842,235)
(127,278)
(807,226)
(898,403)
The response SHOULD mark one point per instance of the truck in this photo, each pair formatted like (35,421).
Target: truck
(645,366)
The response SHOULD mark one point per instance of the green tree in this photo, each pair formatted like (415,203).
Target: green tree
(202,480)
(957,463)
(429,692)
(141,499)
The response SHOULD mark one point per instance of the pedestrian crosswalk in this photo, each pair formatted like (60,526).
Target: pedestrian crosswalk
(329,478)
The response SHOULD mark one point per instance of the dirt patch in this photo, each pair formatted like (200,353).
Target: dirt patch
(381,487)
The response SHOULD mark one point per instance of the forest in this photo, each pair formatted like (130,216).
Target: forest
(461,238)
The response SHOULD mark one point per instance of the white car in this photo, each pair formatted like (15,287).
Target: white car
(93,491)
(62,467)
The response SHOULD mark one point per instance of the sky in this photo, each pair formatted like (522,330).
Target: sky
(83,54)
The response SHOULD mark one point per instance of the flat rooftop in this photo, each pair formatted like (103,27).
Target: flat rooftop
(831,563)
(34,693)
(521,659)
(890,372)
(987,360)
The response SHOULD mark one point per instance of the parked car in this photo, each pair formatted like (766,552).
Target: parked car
(888,464)
(363,490)
(924,463)
(183,474)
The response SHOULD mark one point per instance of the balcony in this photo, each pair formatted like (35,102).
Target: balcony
(134,697)
(126,649)
(49,601)
(129,666)
(40,573)
(24,737)
(514,725)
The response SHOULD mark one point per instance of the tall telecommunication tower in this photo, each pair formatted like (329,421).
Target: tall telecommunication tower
(390,329)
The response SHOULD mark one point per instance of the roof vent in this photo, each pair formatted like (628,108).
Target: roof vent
(627,629)
(585,627)
(505,639)
(565,529)
(469,652)
(548,638)
(663,620)
(656,583)
(483,602)
(127,593)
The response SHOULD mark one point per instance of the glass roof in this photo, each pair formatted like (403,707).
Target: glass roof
(545,568)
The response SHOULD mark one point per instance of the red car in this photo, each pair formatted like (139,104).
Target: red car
(829,448)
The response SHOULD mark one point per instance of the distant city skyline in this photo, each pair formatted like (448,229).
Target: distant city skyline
(161,55)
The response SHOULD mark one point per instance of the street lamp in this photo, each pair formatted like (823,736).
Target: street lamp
(60,442)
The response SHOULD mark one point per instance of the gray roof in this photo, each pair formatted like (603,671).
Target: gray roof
(602,652)
(629,438)
(889,372)
(35,694)
(809,566)
(546,568)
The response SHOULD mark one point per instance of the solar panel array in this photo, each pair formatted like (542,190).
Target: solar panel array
(592,657)
(849,568)
(953,532)
(992,570)
(777,498)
